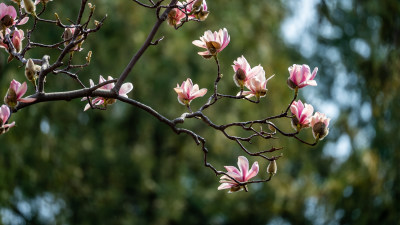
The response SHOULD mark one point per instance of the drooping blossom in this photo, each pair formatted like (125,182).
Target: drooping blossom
(243,71)
(197,9)
(68,34)
(243,174)
(187,92)
(319,124)
(8,16)
(213,42)
(15,93)
(300,76)
(301,115)
(16,39)
(257,84)
(123,91)
(175,16)
(4,115)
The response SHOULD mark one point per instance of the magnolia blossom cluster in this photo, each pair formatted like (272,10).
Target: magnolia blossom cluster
(254,80)
(251,78)
(188,10)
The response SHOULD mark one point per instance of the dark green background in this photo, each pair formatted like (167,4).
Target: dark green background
(122,166)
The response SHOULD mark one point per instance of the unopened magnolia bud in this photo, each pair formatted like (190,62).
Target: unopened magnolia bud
(7,21)
(320,130)
(197,5)
(30,7)
(30,71)
(91,7)
(89,56)
(272,168)
(11,98)
(68,33)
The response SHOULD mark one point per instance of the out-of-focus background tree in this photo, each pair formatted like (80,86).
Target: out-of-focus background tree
(61,165)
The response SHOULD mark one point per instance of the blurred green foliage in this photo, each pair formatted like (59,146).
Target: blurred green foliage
(121,166)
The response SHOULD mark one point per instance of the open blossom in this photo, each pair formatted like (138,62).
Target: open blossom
(16,39)
(15,93)
(175,16)
(302,114)
(8,16)
(243,174)
(257,83)
(187,92)
(213,42)
(123,91)
(4,115)
(243,71)
(300,76)
(319,124)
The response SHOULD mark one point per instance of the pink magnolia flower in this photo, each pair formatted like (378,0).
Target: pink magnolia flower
(243,71)
(243,174)
(302,115)
(15,93)
(213,42)
(8,16)
(16,39)
(187,92)
(257,83)
(4,116)
(319,124)
(300,76)
(175,16)
(123,91)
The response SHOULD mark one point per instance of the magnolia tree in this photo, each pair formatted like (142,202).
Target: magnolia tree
(251,81)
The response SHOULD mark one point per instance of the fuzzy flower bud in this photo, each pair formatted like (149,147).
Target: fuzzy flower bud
(30,7)
(272,168)
(31,71)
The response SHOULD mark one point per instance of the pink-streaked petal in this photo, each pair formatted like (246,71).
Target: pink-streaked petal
(200,93)
(21,90)
(232,169)
(86,107)
(9,125)
(200,44)
(205,53)
(23,21)
(253,171)
(125,88)
(27,100)
(314,73)
(243,165)
(225,186)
